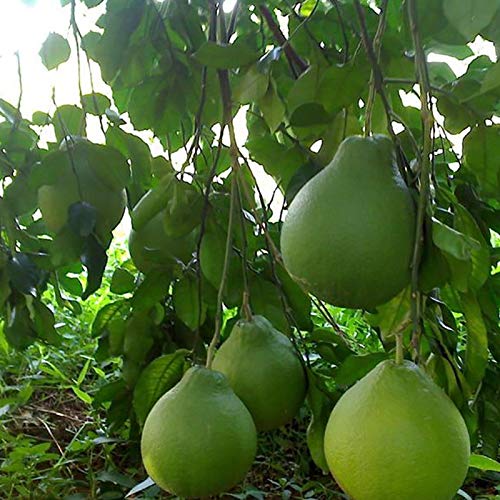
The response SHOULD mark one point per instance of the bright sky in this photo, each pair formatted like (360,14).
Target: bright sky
(25,26)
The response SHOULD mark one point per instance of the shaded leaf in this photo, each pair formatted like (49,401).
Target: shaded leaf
(94,258)
(224,56)
(155,380)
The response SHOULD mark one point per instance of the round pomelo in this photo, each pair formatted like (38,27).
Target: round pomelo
(348,235)
(264,371)
(199,439)
(55,199)
(396,435)
(151,246)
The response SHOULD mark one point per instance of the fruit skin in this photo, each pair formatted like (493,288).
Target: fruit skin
(264,371)
(396,435)
(151,247)
(199,439)
(55,199)
(348,235)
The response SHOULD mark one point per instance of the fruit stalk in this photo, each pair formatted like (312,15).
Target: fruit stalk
(377,42)
(425,167)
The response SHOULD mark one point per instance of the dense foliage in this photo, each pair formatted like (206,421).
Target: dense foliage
(306,75)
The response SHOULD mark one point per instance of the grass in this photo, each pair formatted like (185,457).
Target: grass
(54,444)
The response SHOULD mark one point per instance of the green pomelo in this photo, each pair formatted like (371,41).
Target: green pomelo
(264,371)
(348,236)
(151,246)
(395,435)
(199,439)
(55,199)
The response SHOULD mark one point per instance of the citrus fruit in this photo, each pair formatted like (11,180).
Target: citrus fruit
(264,371)
(55,199)
(348,235)
(84,172)
(396,435)
(151,246)
(199,439)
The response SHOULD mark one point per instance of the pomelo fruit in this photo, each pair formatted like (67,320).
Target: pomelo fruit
(264,371)
(55,199)
(396,435)
(199,439)
(348,235)
(151,246)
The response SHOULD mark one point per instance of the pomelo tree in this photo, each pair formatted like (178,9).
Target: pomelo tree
(226,88)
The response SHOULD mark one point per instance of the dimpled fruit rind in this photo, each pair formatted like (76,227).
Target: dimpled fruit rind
(199,439)
(264,371)
(396,435)
(349,232)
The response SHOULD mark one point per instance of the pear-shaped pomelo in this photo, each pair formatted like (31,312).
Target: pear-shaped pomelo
(348,235)
(396,435)
(199,439)
(151,246)
(264,371)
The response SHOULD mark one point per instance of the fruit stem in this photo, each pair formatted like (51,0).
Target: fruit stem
(425,167)
(377,42)
(222,285)
(399,348)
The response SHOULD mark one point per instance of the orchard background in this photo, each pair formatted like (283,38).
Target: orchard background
(249,98)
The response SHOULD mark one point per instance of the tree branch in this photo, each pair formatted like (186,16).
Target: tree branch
(295,61)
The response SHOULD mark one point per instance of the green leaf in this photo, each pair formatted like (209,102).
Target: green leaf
(481,149)
(476,354)
(68,120)
(321,406)
(82,217)
(484,463)
(44,323)
(356,367)
(480,255)
(55,51)
(40,118)
(122,281)
(106,162)
(252,86)
(222,56)
(272,108)
(187,304)
(94,258)
(470,16)
(109,313)
(156,379)
(341,86)
(452,241)
(92,3)
(23,274)
(95,103)
(393,316)
(309,114)
(152,290)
